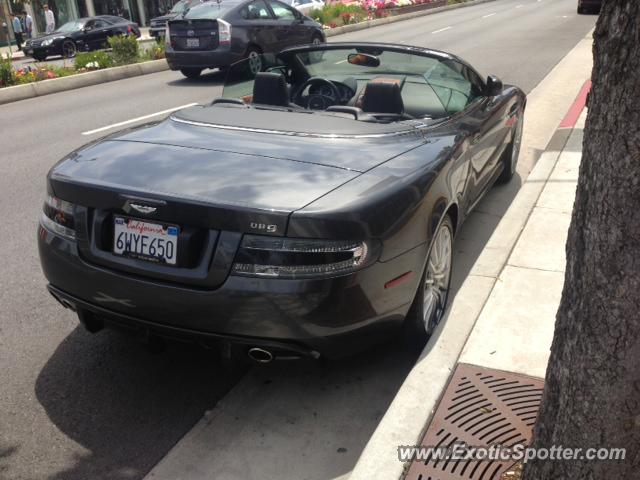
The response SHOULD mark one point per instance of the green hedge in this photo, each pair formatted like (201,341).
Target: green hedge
(93,61)
(125,49)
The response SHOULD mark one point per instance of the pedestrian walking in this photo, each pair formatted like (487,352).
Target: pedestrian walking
(28,24)
(17,29)
(49,19)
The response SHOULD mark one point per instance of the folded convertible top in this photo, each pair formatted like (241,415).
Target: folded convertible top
(304,122)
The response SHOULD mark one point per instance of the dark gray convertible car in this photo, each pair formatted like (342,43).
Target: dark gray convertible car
(309,212)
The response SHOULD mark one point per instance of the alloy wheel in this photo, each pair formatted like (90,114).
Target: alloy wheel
(255,62)
(69,49)
(436,279)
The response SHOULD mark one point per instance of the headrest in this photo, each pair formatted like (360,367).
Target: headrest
(382,97)
(270,89)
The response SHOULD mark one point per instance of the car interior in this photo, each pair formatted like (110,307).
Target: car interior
(388,96)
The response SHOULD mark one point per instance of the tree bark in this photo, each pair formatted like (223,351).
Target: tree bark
(592,391)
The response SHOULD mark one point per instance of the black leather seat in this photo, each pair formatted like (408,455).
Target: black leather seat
(271,89)
(383,98)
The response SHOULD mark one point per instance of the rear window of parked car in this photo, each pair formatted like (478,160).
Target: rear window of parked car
(209,11)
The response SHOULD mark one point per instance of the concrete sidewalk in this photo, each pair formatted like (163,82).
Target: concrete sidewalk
(515,329)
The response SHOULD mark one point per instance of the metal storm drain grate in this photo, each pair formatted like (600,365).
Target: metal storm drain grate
(480,408)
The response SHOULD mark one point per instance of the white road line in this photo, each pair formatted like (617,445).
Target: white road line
(339,62)
(489,15)
(137,119)
(442,30)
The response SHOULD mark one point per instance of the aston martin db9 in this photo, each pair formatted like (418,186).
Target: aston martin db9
(310,211)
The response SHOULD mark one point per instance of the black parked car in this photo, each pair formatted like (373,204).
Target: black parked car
(158,25)
(79,35)
(308,212)
(217,34)
(585,6)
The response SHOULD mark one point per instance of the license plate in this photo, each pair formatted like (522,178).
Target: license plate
(193,42)
(145,240)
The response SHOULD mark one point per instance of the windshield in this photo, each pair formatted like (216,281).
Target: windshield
(431,85)
(71,26)
(180,7)
(208,11)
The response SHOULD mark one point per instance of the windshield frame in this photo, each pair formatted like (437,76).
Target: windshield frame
(80,23)
(409,50)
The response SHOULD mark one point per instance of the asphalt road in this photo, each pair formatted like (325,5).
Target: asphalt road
(80,406)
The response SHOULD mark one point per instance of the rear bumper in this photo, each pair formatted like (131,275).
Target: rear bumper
(330,317)
(178,60)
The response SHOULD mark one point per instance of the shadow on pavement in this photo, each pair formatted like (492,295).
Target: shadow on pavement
(208,77)
(124,405)
(294,420)
(6,451)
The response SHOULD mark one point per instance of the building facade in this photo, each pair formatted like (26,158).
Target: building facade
(140,11)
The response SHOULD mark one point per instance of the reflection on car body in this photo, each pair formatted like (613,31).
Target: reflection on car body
(313,206)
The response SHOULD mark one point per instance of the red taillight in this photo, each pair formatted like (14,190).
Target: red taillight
(129,29)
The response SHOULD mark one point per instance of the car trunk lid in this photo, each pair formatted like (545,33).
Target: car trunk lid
(194,35)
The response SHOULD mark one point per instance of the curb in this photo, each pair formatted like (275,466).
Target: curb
(412,410)
(45,87)
(398,18)
(37,89)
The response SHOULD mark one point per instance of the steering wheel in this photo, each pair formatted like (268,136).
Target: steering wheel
(317,101)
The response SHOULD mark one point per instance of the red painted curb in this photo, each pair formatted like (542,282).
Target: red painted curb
(570,119)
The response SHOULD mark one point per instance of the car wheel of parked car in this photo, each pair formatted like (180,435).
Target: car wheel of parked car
(316,39)
(39,58)
(581,10)
(191,72)
(510,155)
(254,60)
(69,49)
(431,298)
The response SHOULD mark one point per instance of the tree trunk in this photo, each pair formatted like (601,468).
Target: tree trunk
(592,391)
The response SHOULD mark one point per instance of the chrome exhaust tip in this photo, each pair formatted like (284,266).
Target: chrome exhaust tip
(260,355)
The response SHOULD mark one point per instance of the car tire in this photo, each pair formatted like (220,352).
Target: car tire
(39,58)
(316,39)
(580,10)
(69,49)
(430,301)
(191,73)
(510,155)
(254,60)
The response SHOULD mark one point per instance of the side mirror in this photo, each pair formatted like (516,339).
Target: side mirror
(494,86)
(86,29)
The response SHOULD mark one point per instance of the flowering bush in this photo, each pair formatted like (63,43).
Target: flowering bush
(93,61)
(154,53)
(337,14)
(36,74)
